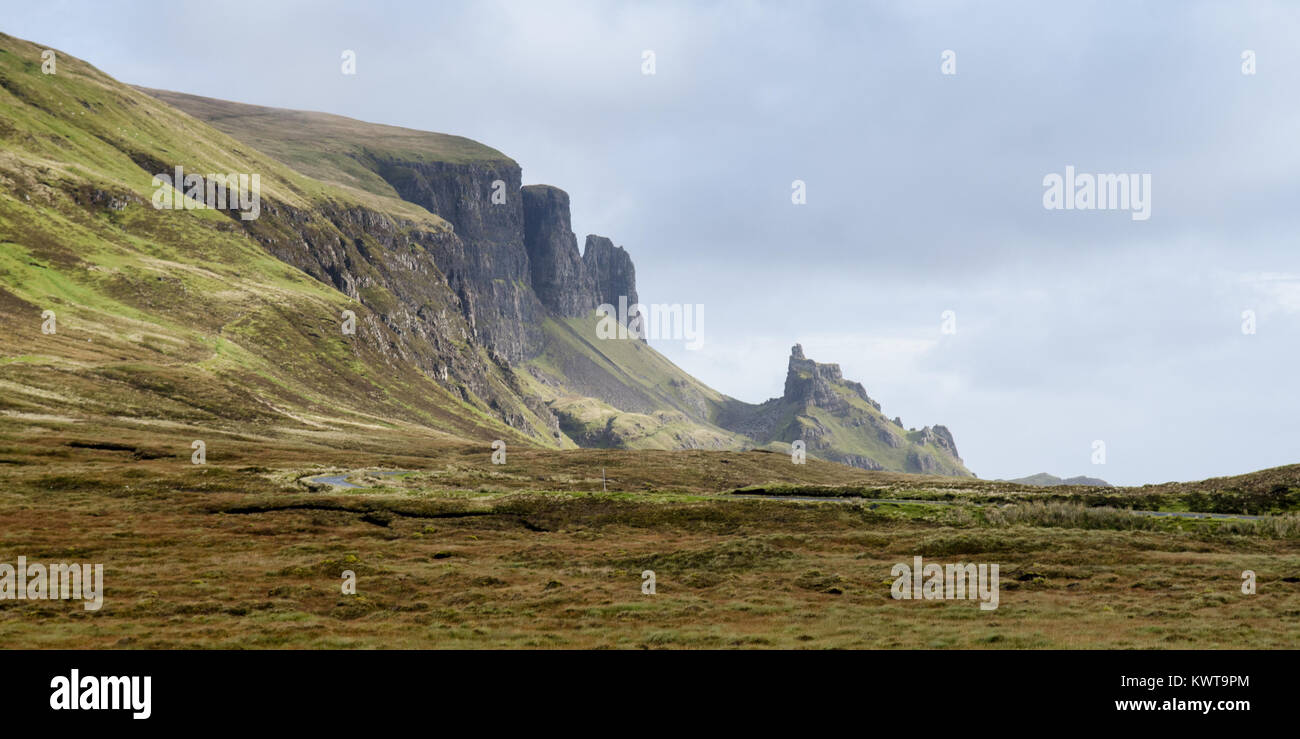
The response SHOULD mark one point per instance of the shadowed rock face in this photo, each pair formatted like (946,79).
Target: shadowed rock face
(558,275)
(392,266)
(519,255)
(611,269)
(491,274)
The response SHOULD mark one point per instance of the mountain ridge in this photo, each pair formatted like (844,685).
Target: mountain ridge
(473,303)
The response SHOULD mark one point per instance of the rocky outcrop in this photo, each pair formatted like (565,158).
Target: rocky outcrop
(517,255)
(521,255)
(394,268)
(567,282)
(853,460)
(839,422)
(807,381)
(921,462)
(490,273)
(558,275)
(611,271)
(889,438)
(940,437)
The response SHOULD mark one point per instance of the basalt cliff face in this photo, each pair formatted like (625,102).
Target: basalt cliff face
(559,276)
(611,269)
(475,310)
(512,258)
(489,270)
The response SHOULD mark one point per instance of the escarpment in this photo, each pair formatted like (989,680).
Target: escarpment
(393,267)
(499,306)
(491,272)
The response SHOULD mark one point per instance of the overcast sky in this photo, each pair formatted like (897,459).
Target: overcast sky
(924,190)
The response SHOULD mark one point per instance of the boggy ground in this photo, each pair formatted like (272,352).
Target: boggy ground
(460,553)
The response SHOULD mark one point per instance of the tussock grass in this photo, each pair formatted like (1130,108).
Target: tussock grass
(1071,515)
(1271,527)
(1078,516)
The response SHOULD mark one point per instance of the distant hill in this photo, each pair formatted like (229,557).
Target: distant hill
(1044,480)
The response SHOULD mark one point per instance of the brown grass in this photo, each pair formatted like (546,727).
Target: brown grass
(467,554)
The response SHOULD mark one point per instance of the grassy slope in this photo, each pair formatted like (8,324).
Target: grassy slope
(849,440)
(325,146)
(624,393)
(172,315)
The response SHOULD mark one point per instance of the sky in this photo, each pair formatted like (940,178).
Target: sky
(924,190)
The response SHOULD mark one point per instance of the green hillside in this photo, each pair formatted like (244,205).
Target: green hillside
(623,393)
(329,147)
(183,316)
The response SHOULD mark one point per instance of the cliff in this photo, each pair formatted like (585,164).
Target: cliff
(558,275)
(490,270)
(474,305)
(610,268)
